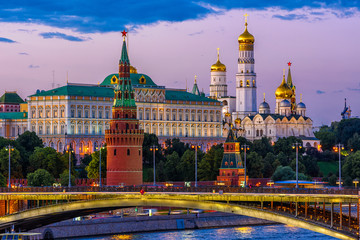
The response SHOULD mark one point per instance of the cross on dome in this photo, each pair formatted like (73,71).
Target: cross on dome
(246,15)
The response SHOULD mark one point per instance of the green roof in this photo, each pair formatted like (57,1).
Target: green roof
(77,90)
(124,55)
(11,97)
(195,89)
(231,136)
(135,78)
(186,96)
(231,161)
(13,115)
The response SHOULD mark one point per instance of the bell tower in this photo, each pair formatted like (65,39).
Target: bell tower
(245,77)
(124,138)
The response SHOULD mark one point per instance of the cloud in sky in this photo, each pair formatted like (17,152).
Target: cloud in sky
(291,16)
(7,40)
(23,53)
(109,15)
(319,92)
(34,66)
(47,35)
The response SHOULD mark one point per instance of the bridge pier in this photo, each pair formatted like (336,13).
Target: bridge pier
(340,215)
(332,216)
(296,209)
(306,209)
(349,215)
(324,210)
(315,210)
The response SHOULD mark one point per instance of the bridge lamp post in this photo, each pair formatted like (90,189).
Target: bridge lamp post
(99,148)
(356,182)
(69,151)
(154,148)
(297,146)
(196,148)
(10,149)
(244,148)
(338,147)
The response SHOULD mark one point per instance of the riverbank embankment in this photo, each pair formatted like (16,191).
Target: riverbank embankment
(118,225)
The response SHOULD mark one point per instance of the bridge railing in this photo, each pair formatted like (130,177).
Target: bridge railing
(204,189)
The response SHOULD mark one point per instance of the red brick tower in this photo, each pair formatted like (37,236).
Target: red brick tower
(124,138)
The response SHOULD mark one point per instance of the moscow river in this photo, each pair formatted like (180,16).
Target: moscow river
(276,232)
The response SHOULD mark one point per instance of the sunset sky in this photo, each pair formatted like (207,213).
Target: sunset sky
(171,41)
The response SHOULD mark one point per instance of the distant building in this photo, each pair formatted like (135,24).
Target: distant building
(10,102)
(346,113)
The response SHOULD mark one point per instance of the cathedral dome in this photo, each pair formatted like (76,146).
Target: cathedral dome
(285,103)
(246,37)
(300,105)
(264,105)
(283,91)
(133,69)
(218,66)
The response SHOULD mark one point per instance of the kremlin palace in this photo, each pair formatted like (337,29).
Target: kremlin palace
(80,114)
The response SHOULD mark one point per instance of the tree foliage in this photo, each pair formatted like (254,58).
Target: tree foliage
(93,168)
(210,163)
(15,166)
(64,178)
(48,159)
(39,178)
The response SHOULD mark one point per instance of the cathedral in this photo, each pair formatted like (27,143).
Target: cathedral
(244,116)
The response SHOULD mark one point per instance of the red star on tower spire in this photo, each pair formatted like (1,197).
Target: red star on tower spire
(289,64)
(124,33)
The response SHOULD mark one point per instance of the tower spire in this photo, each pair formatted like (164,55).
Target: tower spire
(218,54)
(264,97)
(300,97)
(246,15)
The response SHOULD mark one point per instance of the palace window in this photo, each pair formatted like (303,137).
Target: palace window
(100,114)
(93,129)
(62,112)
(62,129)
(107,114)
(40,130)
(174,117)
(247,83)
(79,114)
(160,117)
(180,117)
(93,114)
(86,113)
(55,130)
(86,129)
(147,116)
(79,129)
(55,113)
(47,130)
(47,113)
(72,113)
(154,116)
(72,129)
(33,113)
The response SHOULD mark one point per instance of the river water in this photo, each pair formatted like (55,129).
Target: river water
(276,232)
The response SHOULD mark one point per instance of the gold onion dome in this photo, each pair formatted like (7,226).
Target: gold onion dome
(218,66)
(133,69)
(283,91)
(246,37)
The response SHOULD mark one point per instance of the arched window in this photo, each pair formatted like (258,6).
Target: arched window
(114,152)
(241,83)
(128,152)
(247,83)
(139,152)
(127,126)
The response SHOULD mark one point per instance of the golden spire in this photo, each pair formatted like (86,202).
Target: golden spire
(246,37)
(300,97)
(218,52)
(283,91)
(264,97)
(195,79)
(218,66)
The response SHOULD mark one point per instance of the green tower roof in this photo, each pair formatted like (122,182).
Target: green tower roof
(11,97)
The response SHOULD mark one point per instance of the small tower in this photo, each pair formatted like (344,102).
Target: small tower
(289,82)
(245,77)
(124,138)
(346,113)
(264,107)
(231,171)
(218,86)
(195,89)
(283,92)
(301,108)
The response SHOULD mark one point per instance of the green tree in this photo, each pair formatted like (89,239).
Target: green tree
(15,166)
(346,128)
(276,164)
(262,146)
(48,159)
(64,178)
(208,169)
(286,173)
(301,166)
(84,162)
(40,177)
(186,167)
(327,137)
(311,166)
(2,181)
(170,170)
(176,145)
(149,141)
(254,165)
(351,166)
(354,142)
(243,141)
(30,141)
(93,168)
(285,145)
(283,159)
(332,180)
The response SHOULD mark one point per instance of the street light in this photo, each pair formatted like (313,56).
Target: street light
(356,182)
(10,149)
(99,148)
(297,146)
(69,151)
(244,148)
(338,147)
(154,148)
(196,148)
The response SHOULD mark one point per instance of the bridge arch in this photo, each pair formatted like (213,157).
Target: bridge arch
(83,207)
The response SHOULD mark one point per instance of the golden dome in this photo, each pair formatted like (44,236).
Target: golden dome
(283,91)
(218,66)
(133,69)
(246,37)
